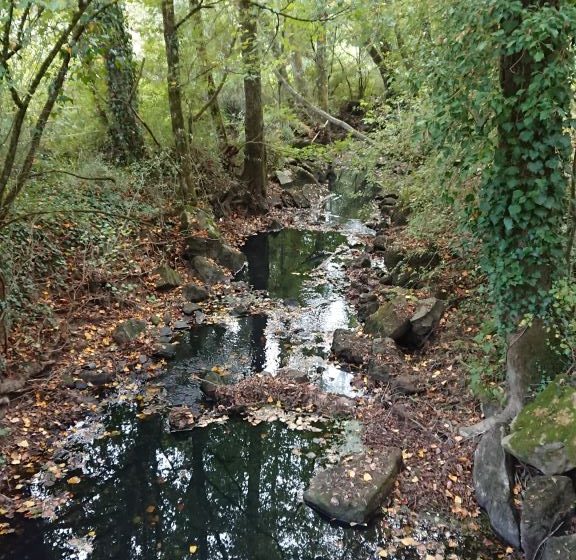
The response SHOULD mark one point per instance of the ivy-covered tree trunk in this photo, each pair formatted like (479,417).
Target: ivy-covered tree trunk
(522,201)
(187,189)
(126,141)
(254,173)
(378,51)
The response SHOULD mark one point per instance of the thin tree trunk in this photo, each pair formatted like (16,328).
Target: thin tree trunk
(255,150)
(377,54)
(187,189)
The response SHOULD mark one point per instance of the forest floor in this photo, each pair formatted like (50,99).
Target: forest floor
(438,462)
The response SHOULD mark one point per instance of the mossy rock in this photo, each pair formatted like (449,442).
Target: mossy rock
(544,433)
(197,219)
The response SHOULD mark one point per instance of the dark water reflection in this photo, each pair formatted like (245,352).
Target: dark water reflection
(233,491)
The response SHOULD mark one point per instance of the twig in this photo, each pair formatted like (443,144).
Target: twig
(40,173)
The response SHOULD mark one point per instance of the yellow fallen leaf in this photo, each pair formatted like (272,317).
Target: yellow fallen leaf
(458,500)
(453,478)
(367,477)
(383,553)
(92,534)
(408,541)
(270,400)
(23,443)
(29,504)
(193,549)
(74,480)
(150,509)
(351,474)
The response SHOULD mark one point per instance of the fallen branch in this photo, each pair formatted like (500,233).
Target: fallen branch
(40,173)
(326,116)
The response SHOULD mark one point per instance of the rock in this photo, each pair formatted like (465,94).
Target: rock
(166,351)
(380,243)
(390,321)
(493,481)
(275,226)
(208,271)
(548,501)
(198,219)
(366,309)
(406,384)
(285,177)
(181,325)
(337,494)
(166,332)
(199,317)
(128,330)
(388,201)
(560,548)
(542,435)
(155,320)
(385,346)
(377,371)
(215,249)
(349,347)
(194,293)
(427,316)
(241,310)
(294,199)
(363,261)
(96,377)
(190,308)
(210,384)
(294,375)
(168,278)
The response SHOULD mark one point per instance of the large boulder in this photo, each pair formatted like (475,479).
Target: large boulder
(223,254)
(390,321)
(353,490)
(548,501)
(560,548)
(207,270)
(544,433)
(198,219)
(194,293)
(349,347)
(493,481)
(128,330)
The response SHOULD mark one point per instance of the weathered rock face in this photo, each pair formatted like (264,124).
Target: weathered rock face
(380,242)
(353,490)
(349,347)
(294,375)
(285,177)
(128,330)
(390,321)
(196,219)
(493,485)
(207,270)
(168,278)
(560,548)
(548,501)
(223,254)
(427,316)
(295,199)
(544,433)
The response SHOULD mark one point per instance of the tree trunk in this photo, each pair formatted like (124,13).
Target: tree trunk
(377,54)
(211,88)
(126,140)
(255,150)
(187,189)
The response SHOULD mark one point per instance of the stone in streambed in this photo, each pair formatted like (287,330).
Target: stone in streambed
(168,278)
(353,490)
(493,480)
(208,271)
(294,375)
(390,321)
(548,501)
(128,331)
(194,293)
(349,347)
(210,384)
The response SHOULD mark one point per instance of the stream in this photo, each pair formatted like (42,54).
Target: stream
(233,490)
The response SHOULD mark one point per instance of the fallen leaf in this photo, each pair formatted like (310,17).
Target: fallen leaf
(73,480)
(367,477)
(193,549)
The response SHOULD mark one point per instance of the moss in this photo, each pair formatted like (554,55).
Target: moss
(550,418)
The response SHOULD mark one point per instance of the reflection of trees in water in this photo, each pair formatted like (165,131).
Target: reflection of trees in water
(232,490)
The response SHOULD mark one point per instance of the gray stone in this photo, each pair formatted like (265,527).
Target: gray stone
(208,271)
(96,377)
(385,346)
(363,261)
(285,177)
(181,325)
(198,219)
(349,347)
(380,243)
(166,351)
(493,481)
(427,316)
(223,254)
(155,320)
(560,548)
(377,371)
(406,384)
(294,375)
(168,278)
(390,321)
(354,489)
(190,308)
(548,501)
(194,293)
(128,330)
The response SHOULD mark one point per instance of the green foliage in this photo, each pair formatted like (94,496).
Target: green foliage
(519,126)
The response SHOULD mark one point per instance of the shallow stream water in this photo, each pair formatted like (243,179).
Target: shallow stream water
(229,491)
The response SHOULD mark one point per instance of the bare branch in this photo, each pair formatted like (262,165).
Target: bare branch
(296,18)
